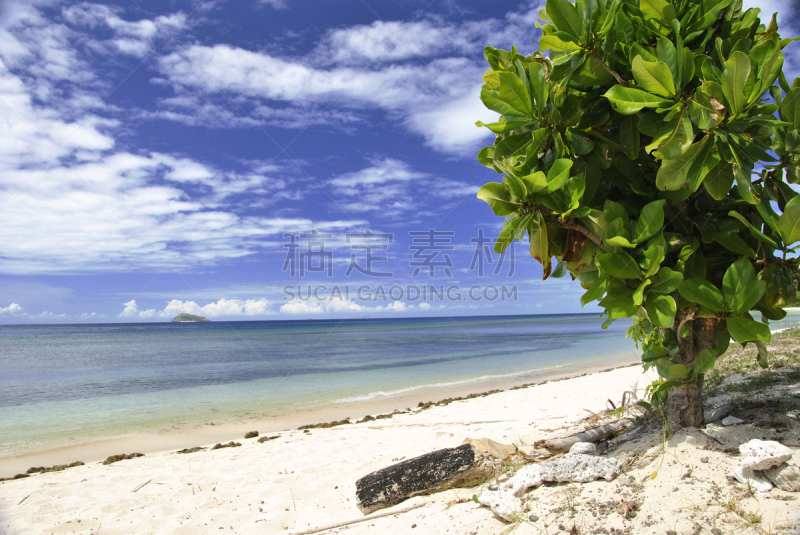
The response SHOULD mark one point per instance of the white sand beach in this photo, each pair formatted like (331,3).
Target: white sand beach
(305,480)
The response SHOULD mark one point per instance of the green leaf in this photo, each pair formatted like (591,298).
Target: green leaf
(736,277)
(514,93)
(559,271)
(619,303)
(503,127)
(653,76)
(491,99)
(666,281)
(580,144)
(673,174)
(653,256)
(749,297)
(703,293)
(789,222)
(705,114)
(595,291)
(620,241)
(558,175)
(638,295)
(650,221)
(667,52)
(744,329)
(734,81)
(741,289)
(557,44)
(620,265)
(627,100)
(661,310)
(540,249)
(596,221)
(719,180)
(705,362)
(538,84)
(657,9)
(678,371)
(516,186)
(762,354)
(629,136)
(565,17)
(614,210)
(790,108)
(504,239)
(497,197)
(754,231)
(733,242)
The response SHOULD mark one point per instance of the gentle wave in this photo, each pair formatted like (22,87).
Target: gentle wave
(381,393)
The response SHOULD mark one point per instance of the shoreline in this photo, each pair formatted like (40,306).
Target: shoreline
(195,434)
(306,479)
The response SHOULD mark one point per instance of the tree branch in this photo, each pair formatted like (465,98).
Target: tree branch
(611,71)
(580,228)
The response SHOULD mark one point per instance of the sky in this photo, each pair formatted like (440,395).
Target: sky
(257,159)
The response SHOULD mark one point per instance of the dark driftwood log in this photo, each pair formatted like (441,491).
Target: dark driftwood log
(595,434)
(463,466)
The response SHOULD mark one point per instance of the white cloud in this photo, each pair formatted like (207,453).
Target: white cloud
(320,307)
(13,309)
(451,126)
(434,100)
(387,41)
(133,38)
(390,188)
(425,73)
(16,313)
(66,189)
(275,4)
(221,112)
(216,309)
(295,307)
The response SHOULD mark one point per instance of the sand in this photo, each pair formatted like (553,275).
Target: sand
(304,480)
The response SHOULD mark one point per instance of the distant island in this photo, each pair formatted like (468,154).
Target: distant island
(189,317)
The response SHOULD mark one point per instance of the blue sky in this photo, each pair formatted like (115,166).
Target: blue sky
(154,153)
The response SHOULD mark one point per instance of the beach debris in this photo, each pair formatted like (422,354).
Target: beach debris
(763,454)
(56,468)
(716,414)
(498,450)
(425,405)
(265,439)
(732,420)
(122,457)
(142,485)
(583,447)
(190,450)
(595,434)
(251,434)
(505,499)
(18,476)
(324,425)
(786,477)
(230,444)
(752,479)
(464,466)
(362,519)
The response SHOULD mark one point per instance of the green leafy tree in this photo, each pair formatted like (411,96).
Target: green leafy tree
(651,152)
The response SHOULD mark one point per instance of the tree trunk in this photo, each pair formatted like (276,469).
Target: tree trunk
(684,404)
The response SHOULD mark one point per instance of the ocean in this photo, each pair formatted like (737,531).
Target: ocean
(62,384)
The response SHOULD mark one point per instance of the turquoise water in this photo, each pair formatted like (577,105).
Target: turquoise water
(66,383)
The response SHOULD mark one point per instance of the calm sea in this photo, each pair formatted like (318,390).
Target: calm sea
(66,383)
